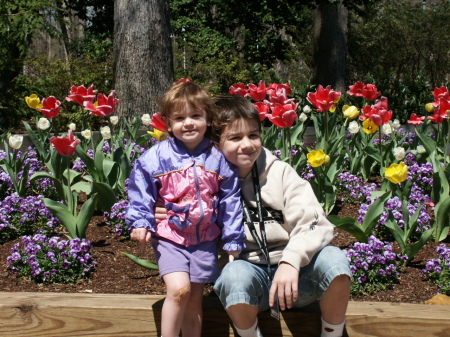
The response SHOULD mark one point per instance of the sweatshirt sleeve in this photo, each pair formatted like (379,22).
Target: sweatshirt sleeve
(229,217)
(143,193)
(310,230)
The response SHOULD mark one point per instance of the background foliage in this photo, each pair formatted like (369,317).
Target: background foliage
(393,44)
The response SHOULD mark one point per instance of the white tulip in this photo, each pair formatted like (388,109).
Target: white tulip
(396,124)
(106,132)
(86,134)
(307,109)
(16,141)
(114,120)
(399,153)
(146,119)
(302,117)
(43,123)
(386,129)
(353,127)
(72,126)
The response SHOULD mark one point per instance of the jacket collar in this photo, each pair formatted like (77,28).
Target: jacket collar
(179,146)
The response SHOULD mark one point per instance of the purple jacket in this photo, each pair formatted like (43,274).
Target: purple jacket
(200,190)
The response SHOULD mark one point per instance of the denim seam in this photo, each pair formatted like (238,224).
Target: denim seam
(330,275)
(238,298)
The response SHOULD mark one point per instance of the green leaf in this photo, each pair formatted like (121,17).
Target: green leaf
(374,212)
(349,225)
(62,212)
(56,181)
(442,214)
(85,215)
(143,263)
(107,196)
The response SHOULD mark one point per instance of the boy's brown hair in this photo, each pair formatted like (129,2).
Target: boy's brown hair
(231,108)
(188,94)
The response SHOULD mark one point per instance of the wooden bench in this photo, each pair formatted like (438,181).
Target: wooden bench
(63,314)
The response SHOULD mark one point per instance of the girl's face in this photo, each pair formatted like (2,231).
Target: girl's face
(241,144)
(189,125)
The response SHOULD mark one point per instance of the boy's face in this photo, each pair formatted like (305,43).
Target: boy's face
(241,144)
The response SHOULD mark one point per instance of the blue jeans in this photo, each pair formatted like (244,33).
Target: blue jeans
(245,282)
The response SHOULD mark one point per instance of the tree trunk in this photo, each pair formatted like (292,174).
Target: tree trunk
(330,45)
(143,64)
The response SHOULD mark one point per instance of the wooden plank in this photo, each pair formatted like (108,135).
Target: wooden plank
(56,314)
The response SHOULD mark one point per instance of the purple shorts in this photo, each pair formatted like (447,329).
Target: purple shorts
(199,261)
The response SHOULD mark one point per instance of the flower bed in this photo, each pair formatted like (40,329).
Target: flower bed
(388,196)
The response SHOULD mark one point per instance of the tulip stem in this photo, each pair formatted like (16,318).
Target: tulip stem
(70,196)
(381,151)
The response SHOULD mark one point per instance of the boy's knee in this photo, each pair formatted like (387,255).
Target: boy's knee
(181,293)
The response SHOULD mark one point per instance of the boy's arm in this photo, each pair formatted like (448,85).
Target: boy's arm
(310,229)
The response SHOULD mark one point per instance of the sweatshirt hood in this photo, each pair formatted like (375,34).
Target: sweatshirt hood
(264,162)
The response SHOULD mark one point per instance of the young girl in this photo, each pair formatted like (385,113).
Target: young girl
(200,191)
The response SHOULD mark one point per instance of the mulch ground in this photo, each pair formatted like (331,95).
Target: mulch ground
(117,274)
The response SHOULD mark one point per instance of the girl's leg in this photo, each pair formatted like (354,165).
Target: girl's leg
(193,314)
(178,292)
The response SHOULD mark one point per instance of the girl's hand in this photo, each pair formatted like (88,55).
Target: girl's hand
(143,235)
(284,286)
(233,255)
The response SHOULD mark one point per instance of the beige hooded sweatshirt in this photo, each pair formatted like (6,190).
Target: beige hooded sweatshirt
(303,229)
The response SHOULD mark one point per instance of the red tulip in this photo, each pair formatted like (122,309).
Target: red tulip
(283,115)
(239,89)
(65,146)
(181,80)
(415,120)
(323,99)
(444,107)
(439,93)
(279,86)
(51,107)
(437,118)
(279,96)
(81,94)
(258,93)
(263,109)
(158,123)
(378,113)
(370,92)
(356,89)
(105,105)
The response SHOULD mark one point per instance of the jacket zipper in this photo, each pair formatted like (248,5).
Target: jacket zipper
(200,204)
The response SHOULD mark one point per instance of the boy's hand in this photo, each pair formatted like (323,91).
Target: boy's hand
(142,235)
(284,286)
(233,255)
(160,212)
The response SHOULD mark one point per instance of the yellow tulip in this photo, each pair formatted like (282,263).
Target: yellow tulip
(429,107)
(317,158)
(350,111)
(33,101)
(157,134)
(369,126)
(396,173)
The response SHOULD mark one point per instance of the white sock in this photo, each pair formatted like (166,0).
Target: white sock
(253,331)
(332,330)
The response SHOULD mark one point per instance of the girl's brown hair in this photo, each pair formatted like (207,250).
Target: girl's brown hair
(189,94)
